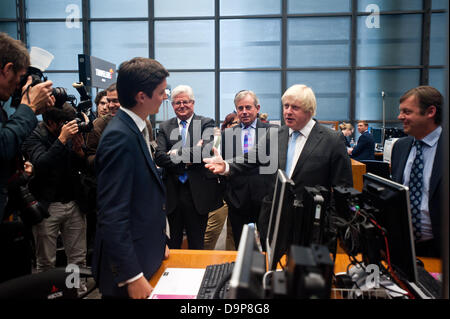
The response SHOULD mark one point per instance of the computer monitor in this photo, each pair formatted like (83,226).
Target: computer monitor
(279,231)
(377,135)
(249,268)
(391,212)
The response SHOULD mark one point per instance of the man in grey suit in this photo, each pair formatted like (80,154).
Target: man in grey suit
(308,152)
(421,115)
(192,191)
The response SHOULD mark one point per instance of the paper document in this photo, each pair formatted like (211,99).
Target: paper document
(178,283)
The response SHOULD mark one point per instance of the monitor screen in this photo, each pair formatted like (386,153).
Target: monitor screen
(279,230)
(249,268)
(392,213)
(95,72)
(377,135)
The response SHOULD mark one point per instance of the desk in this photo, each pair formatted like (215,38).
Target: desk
(183,258)
(358,170)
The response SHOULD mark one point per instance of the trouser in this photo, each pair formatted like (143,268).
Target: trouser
(216,221)
(71,222)
(185,216)
(241,216)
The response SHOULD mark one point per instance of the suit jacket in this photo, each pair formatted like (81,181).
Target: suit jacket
(400,153)
(13,132)
(205,187)
(131,208)
(365,148)
(323,161)
(251,185)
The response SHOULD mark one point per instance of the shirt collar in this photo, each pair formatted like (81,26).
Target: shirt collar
(188,121)
(253,125)
(140,123)
(432,138)
(306,130)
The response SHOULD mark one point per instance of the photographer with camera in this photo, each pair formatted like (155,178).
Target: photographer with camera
(14,61)
(55,148)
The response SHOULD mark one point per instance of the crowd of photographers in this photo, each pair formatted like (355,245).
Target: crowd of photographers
(47,182)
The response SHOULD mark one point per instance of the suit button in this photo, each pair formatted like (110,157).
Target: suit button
(164,207)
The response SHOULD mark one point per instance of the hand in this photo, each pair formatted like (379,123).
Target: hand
(28,168)
(167,252)
(68,131)
(215,164)
(39,97)
(139,289)
(349,150)
(200,142)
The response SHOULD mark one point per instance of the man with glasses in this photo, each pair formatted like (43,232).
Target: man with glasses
(192,191)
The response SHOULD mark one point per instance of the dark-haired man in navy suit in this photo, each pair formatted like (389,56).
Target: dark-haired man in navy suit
(417,163)
(130,238)
(365,148)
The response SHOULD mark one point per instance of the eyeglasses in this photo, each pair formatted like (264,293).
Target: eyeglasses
(178,103)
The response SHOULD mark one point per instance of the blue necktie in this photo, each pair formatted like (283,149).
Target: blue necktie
(246,133)
(183,178)
(291,150)
(415,189)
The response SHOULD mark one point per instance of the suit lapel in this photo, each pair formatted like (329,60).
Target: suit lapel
(132,126)
(404,159)
(312,142)
(436,173)
(283,140)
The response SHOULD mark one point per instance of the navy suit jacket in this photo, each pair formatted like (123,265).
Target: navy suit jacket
(365,148)
(130,236)
(400,153)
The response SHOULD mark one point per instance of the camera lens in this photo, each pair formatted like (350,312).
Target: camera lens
(60,95)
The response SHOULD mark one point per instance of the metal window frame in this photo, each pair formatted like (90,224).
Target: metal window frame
(284,16)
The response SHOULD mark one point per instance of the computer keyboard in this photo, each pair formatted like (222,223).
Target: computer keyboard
(428,283)
(212,278)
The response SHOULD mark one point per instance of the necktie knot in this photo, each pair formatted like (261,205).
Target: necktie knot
(183,123)
(295,134)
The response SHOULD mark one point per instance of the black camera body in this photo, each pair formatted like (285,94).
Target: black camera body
(37,76)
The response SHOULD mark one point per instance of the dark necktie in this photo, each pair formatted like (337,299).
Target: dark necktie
(183,178)
(415,189)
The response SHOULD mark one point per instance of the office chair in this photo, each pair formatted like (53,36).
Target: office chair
(50,284)
(379,168)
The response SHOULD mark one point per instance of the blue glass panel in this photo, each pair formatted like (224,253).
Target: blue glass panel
(65,49)
(396,42)
(332,90)
(314,6)
(439,4)
(69,9)
(185,44)
(318,42)
(8,9)
(184,8)
(438,39)
(202,84)
(118,8)
(249,7)
(250,43)
(10,28)
(438,79)
(370,84)
(117,42)
(390,5)
(265,84)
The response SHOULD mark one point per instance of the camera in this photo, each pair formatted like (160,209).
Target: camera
(37,76)
(20,198)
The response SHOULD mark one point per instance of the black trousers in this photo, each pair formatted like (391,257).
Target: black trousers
(241,216)
(185,216)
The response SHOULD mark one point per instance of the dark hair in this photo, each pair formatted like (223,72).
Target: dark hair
(99,96)
(60,115)
(138,75)
(112,87)
(228,120)
(427,96)
(13,51)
